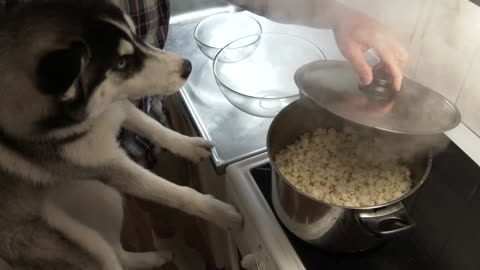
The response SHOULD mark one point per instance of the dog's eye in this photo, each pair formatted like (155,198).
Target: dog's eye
(121,63)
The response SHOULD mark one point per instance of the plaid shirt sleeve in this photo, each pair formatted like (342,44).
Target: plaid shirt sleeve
(151,18)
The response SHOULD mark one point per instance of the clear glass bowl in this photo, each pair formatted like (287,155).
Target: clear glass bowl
(256,73)
(216,31)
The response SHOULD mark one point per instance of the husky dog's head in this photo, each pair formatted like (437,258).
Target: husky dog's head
(64,62)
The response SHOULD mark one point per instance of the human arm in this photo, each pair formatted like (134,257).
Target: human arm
(354,31)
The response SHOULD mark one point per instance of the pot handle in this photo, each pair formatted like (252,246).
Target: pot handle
(388,221)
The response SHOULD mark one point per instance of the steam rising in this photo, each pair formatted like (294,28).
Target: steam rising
(382,146)
(388,147)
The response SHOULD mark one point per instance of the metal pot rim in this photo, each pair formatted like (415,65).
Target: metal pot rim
(284,179)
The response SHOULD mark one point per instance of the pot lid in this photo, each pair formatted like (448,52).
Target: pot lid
(415,109)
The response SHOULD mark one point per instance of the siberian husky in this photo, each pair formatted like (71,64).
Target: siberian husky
(67,72)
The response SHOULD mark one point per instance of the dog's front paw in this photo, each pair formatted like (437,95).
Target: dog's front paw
(224,215)
(193,148)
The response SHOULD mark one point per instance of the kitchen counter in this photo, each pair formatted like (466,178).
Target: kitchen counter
(235,134)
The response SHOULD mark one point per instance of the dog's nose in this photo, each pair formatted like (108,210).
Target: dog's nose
(186,69)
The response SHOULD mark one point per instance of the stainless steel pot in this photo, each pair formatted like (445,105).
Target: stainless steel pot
(335,228)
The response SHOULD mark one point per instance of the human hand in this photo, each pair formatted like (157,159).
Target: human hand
(355,33)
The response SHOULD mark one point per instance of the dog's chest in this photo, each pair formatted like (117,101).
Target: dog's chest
(100,143)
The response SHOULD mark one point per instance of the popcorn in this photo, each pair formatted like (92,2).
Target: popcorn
(340,168)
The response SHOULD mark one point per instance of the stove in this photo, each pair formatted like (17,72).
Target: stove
(400,253)
(264,243)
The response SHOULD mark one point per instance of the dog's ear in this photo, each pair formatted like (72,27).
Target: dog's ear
(58,70)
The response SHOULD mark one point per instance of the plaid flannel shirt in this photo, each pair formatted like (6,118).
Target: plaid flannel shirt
(151,18)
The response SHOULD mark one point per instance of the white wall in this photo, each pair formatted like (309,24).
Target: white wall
(443,38)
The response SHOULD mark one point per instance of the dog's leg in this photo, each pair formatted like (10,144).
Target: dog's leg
(192,148)
(129,177)
(110,164)
(82,235)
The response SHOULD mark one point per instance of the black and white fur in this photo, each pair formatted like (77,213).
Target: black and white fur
(68,70)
